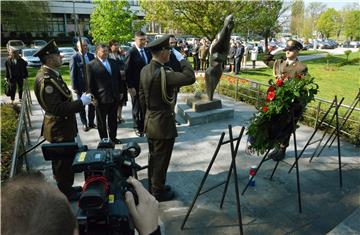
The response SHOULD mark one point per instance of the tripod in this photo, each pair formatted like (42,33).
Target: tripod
(265,158)
(226,182)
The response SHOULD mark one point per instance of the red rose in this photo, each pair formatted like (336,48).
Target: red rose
(271,88)
(270,95)
(279,82)
(265,109)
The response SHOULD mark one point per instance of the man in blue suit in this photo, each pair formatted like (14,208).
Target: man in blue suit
(78,80)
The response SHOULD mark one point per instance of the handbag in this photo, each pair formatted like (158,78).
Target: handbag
(7,88)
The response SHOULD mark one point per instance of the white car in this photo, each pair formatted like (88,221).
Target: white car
(38,43)
(16,45)
(27,55)
(66,53)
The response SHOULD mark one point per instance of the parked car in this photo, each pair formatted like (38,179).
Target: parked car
(37,43)
(191,41)
(16,45)
(66,53)
(27,55)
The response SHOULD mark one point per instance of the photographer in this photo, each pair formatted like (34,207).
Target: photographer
(27,199)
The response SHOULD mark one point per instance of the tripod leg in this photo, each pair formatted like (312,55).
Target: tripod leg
(226,185)
(272,174)
(257,169)
(203,180)
(297,166)
(338,143)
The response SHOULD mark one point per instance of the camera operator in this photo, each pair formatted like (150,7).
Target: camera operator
(59,124)
(30,205)
(27,199)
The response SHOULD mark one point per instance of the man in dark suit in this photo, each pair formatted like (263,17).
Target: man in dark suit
(78,81)
(136,59)
(103,76)
(159,104)
(239,53)
(59,124)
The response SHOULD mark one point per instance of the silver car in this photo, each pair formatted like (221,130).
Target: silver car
(15,45)
(66,53)
(38,43)
(27,55)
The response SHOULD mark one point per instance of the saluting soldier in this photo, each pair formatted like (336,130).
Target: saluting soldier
(59,124)
(158,86)
(289,67)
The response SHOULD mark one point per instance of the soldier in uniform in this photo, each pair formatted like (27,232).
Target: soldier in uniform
(158,85)
(59,123)
(289,67)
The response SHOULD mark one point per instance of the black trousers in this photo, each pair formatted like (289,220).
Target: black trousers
(62,172)
(91,114)
(18,82)
(107,112)
(196,62)
(137,113)
(159,158)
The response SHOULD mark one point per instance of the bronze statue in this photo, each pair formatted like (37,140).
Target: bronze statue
(218,53)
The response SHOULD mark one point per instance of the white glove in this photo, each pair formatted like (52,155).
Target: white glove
(276,51)
(178,55)
(85,99)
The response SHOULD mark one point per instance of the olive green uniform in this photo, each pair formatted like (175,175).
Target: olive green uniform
(59,123)
(159,126)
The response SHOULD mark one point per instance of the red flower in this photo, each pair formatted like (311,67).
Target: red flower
(271,88)
(270,95)
(279,82)
(265,109)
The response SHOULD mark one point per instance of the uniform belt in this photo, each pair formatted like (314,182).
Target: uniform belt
(56,117)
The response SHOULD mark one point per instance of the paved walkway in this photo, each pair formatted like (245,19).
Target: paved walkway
(270,207)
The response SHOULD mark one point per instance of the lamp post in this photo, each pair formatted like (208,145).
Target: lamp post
(75,18)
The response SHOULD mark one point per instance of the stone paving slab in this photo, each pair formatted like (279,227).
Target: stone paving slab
(271,207)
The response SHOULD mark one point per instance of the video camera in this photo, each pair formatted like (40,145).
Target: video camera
(101,208)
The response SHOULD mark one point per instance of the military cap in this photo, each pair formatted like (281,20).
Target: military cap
(293,45)
(160,43)
(49,48)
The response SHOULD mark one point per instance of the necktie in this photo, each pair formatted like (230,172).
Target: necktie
(107,66)
(142,53)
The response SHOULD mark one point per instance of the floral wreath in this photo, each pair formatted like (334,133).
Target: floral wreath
(281,96)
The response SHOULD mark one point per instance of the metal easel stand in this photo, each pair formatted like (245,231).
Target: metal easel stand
(335,105)
(264,159)
(232,167)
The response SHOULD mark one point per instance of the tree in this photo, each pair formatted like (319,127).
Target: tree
(113,20)
(297,17)
(24,16)
(265,23)
(352,24)
(199,18)
(312,14)
(329,23)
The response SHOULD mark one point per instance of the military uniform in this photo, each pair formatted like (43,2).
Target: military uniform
(59,124)
(158,84)
(281,68)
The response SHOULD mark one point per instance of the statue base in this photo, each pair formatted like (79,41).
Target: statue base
(201,110)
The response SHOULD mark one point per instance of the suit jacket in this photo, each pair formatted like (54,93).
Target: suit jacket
(104,86)
(16,71)
(297,67)
(133,65)
(77,73)
(160,116)
(239,52)
(55,98)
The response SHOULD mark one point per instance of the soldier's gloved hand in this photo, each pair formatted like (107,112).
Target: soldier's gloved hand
(85,99)
(178,55)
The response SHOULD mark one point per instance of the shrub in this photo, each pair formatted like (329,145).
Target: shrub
(9,115)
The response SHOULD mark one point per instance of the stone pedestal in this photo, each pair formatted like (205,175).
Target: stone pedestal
(201,110)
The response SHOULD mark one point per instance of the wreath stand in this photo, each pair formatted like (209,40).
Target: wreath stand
(335,105)
(226,182)
(265,158)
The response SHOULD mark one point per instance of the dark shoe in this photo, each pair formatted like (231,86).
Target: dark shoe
(93,126)
(277,154)
(116,141)
(86,128)
(164,196)
(139,133)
